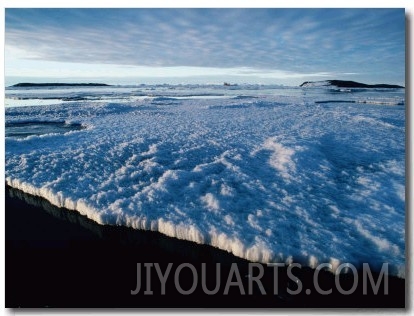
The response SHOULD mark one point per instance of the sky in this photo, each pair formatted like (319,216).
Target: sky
(270,46)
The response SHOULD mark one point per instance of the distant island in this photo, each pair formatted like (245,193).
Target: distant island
(347,84)
(229,84)
(29,84)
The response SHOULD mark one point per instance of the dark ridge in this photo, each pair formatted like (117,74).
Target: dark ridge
(354,84)
(335,101)
(29,84)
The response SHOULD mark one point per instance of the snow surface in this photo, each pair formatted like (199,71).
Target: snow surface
(266,173)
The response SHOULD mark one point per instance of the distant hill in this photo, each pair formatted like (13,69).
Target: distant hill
(347,84)
(29,84)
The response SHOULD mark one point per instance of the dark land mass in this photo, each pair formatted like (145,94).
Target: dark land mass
(354,84)
(55,257)
(29,84)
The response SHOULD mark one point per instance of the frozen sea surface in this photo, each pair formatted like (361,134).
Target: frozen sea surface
(270,174)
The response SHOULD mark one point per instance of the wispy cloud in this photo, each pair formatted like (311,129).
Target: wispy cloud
(290,40)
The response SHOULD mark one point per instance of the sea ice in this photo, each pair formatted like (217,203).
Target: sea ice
(266,173)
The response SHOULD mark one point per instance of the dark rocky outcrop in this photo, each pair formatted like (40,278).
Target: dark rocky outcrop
(348,84)
(29,84)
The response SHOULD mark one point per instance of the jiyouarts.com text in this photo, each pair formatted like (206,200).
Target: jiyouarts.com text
(253,279)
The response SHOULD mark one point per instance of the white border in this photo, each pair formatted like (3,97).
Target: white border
(408,5)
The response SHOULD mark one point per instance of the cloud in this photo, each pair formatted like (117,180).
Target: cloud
(295,40)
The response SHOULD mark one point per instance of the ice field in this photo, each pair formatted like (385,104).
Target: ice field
(268,173)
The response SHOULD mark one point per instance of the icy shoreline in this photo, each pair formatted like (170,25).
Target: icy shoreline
(192,234)
(60,243)
(183,232)
(78,218)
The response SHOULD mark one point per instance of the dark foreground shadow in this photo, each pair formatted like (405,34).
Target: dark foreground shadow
(59,258)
